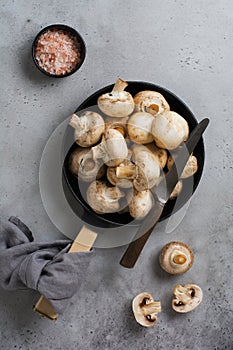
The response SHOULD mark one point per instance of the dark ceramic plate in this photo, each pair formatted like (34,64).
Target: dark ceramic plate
(70,183)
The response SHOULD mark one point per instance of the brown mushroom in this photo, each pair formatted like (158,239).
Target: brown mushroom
(145,309)
(176,258)
(186,298)
(150,101)
(89,127)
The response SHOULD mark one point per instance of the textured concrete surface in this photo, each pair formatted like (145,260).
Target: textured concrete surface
(185,46)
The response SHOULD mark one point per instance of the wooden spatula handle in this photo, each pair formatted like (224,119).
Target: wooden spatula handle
(82,243)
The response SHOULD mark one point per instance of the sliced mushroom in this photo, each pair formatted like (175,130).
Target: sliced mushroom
(112,149)
(140,204)
(117,103)
(186,298)
(89,127)
(145,309)
(102,198)
(119,124)
(160,153)
(189,169)
(145,172)
(178,188)
(83,166)
(176,258)
(150,101)
(139,127)
(169,130)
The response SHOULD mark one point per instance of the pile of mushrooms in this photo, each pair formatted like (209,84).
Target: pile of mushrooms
(123,149)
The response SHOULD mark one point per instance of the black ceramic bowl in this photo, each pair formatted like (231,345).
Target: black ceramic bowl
(68,30)
(70,183)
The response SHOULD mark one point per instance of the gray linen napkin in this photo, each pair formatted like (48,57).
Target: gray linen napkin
(45,267)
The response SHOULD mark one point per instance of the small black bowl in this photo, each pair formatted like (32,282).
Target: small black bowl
(67,29)
(71,185)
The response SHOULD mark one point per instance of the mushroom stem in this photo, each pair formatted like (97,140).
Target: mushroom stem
(182,294)
(99,151)
(152,308)
(76,122)
(127,172)
(178,258)
(120,85)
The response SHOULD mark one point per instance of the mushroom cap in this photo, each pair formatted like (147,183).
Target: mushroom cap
(89,127)
(148,168)
(140,204)
(83,166)
(150,101)
(160,153)
(189,169)
(143,316)
(186,298)
(102,198)
(117,103)
(169,130)
(112,149)
(176,258)
(177,190)
(139,127)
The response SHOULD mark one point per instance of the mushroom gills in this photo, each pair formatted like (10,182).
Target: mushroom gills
(186,298)
(145,309)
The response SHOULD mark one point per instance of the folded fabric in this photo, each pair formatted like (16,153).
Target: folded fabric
(45,267)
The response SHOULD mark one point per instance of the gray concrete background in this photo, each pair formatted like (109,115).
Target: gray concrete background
(186,46)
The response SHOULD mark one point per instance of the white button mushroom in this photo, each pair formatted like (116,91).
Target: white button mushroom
(102,198)
(145,172)
(89,127)
(114,180)
(145,309)
(169,130)
(150,101)
(178,188)
(160,153)
(118,103)
(140,204)
(189,169)
(176,258)
(139,127)
(186,298)
(119,124)
(112,149)
(83,166)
